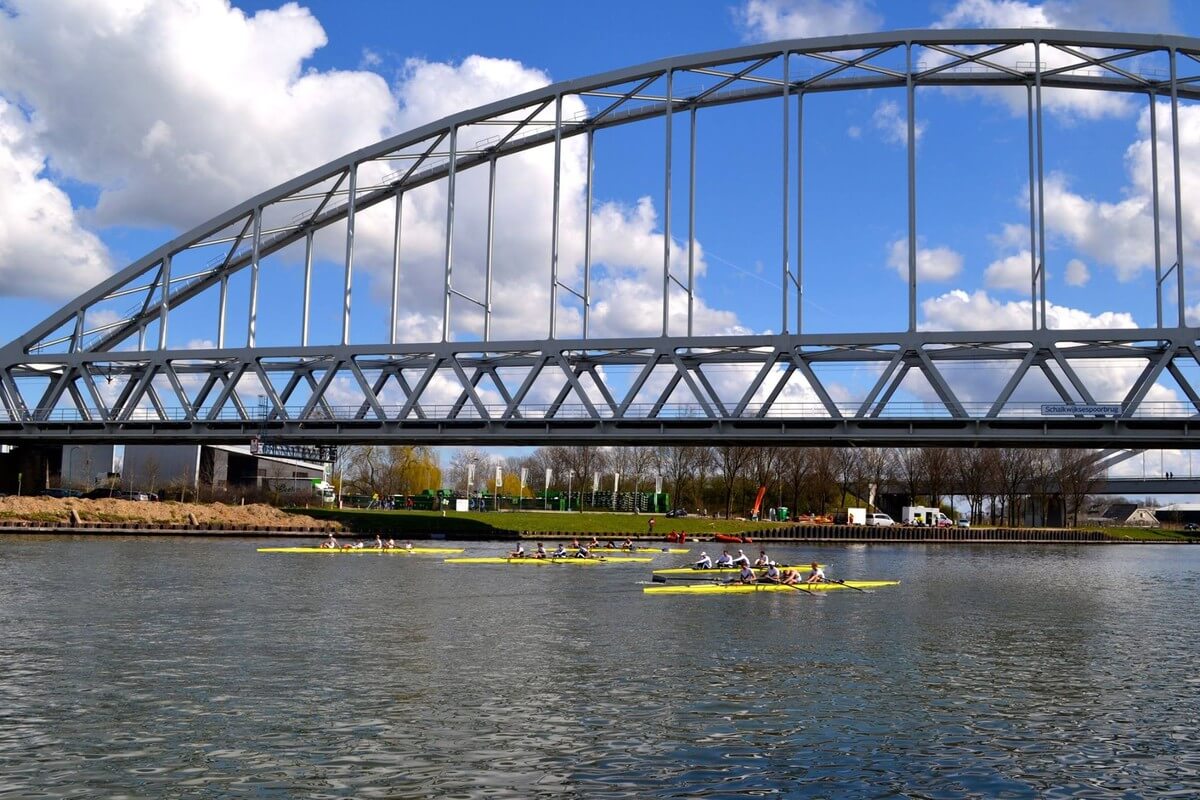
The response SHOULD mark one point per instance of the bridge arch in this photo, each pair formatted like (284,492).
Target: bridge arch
(51,377)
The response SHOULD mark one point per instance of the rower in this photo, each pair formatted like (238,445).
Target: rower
(762,560)
(561,552)
(790,577)
(540,552)
(519,552)
(746,575)
(408,546)
(628,544)
(330,543)
(817,575)
(391,544)
(772,575)
(582,552)
(610,544)
(378,542)
(594,543)
(704,563)
(742,559)
(724,561)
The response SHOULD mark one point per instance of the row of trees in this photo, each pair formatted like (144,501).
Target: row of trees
(1008,485)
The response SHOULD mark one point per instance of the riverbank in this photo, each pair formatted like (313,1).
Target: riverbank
(77,515)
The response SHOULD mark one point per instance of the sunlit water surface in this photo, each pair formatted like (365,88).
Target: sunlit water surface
(199,668)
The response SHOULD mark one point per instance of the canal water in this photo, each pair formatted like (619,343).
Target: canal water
(199,668)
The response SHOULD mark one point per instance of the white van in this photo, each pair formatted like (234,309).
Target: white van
(879,518)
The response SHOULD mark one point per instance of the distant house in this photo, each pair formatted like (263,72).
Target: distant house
(1179,513)
(1128,514)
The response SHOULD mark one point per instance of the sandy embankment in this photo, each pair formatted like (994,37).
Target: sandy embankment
(56,510)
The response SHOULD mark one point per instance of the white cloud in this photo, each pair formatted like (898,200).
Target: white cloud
(768,20)
(1153,16)
(957,310)
(1011,272)
(892,125)
(223,106)
(44,252)
(933,264)
(1077,273)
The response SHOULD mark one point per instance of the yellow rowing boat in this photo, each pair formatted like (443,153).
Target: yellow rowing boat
(391,551)
(544,561)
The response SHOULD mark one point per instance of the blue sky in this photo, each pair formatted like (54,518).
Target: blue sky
(122,124)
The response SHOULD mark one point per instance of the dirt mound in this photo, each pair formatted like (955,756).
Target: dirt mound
(53,509)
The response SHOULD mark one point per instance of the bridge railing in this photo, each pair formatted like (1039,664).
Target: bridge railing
(912,410)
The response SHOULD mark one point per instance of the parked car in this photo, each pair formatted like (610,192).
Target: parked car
(963,522)
(60,492)
(678,512)
(105,493)
(881,519)
(1191,526)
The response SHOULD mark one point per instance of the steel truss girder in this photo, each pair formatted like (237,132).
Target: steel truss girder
(667,368)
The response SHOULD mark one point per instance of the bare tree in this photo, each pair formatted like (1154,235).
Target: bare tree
(972,468)
(677,464)
(796,466)
(876,465)
(1077,478)
(733,461)
(935,464)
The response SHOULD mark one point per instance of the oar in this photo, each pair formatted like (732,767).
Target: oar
(848,586)
(663,578)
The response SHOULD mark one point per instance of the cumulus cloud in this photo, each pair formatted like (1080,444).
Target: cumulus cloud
(933,263)
(1153,16)
(768,20)
(44,251)
(1011,272)
(1077,273)
(223,106)
(893,125)
(957,310)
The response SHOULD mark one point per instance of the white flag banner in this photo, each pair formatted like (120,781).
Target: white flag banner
(595,482)
(549,476)
(524,475)
(658,484)
(616,481)
(871,497)
(470,477)
(499,475)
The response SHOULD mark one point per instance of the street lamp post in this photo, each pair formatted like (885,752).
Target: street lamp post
(570,475)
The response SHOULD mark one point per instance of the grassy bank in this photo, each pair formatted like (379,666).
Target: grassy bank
(1148,535)
(509,523)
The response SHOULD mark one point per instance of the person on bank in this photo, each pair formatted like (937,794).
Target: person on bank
(742,559)
(816,575)
(746,575)
(724,561)
(704,563)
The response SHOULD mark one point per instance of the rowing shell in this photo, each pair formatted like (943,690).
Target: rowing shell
(750,588)
(723,570)
(544,561)
(371,549)
(677,551)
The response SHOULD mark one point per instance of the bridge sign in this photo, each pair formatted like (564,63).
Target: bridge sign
(1089,409)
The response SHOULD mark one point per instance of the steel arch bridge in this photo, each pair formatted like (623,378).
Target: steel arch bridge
(89,374)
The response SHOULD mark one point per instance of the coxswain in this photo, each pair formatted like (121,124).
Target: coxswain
(742,559)
(771,574)
(330,543)
(378,542)
(561,552)
(540,552)
(762,560)
(817,575)
(704,563)
(724,561)
(519,552)
(746,575)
